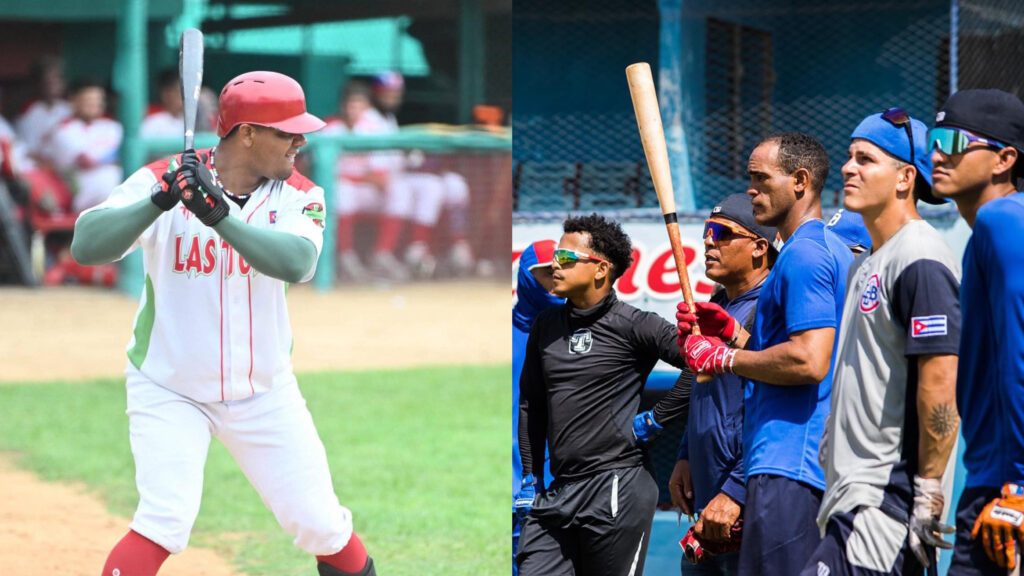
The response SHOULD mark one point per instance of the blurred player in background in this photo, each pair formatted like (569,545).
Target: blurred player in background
(849,226)
(893,423)
(976,147)
(534,283)
(585,368)
(434,189)
(167,119)
(708,478)
(86,146)
(211,347)
(788,358)
(366,186)
(47,111)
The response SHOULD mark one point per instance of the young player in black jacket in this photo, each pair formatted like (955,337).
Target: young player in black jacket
(586,364)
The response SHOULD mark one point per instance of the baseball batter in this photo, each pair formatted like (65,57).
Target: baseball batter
(209,355)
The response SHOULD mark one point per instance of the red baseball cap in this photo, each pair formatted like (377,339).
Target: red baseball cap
(545,251)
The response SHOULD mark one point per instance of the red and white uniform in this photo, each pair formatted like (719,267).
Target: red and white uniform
(98,142)
(430,192)
(352,193)
(162,124)
(37,122)
(210,356)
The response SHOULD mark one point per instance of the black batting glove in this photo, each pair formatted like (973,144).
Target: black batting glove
(199,193)
(166,195)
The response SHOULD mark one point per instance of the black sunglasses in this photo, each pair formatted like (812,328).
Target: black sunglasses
(899,117)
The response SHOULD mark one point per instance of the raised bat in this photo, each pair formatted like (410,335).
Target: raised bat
(652,135)
(190,69)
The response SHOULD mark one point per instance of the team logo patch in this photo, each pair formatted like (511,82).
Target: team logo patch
(869,297)
(925,326)
(940,116)
(273,216)
(315,211)
(581,341)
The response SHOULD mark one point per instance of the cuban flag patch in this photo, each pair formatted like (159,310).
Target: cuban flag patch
(925,326)
(273,216)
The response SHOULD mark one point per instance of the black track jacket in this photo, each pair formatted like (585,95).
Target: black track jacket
(581,383)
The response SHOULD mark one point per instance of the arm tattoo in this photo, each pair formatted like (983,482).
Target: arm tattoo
(943,420)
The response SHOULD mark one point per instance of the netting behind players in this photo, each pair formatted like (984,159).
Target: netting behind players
(747,69)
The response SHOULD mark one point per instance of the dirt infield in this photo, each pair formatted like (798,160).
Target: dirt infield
(79,334)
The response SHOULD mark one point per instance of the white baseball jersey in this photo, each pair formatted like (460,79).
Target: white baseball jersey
(162,124)
(38,121)
(353,167)
(209,326)
(100,141)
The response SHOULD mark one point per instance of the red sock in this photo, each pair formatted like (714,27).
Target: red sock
(421,233)
(346,225)
(135,555)
(350,559)
(387,236)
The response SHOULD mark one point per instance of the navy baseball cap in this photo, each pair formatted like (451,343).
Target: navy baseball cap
(989,113)
(850,228)
(737,207)
(892,138)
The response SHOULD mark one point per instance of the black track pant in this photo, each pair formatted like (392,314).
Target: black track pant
(599,526)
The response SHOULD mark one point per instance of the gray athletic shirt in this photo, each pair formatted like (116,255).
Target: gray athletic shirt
(902,301)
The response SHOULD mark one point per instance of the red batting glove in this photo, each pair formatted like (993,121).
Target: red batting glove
(708,355)
(712,319)
(1000,523)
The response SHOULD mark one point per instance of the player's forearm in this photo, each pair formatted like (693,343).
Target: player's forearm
(937,416)
(103,236)
(277,254)
(803,359)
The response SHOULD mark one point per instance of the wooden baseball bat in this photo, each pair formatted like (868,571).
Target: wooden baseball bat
(190,69)
(652,135)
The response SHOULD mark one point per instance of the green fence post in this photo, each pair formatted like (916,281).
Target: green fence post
(131,83)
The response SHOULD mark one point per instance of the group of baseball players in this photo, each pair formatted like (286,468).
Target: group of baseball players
(843,366)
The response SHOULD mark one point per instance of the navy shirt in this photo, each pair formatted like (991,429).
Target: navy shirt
(782,425)
(990,378)
(714,434)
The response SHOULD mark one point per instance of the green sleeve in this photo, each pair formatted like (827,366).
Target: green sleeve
(277,254)
(102,236)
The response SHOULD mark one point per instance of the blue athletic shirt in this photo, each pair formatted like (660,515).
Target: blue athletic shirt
(990,378)
(714,432)
(782,425)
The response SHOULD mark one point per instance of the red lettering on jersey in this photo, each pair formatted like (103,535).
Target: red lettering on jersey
(210,252)
(243,266)
(179,266)
(664,265)
(626,285)
(194,262)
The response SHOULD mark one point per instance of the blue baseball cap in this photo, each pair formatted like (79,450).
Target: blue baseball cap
(849,226)
(892,138)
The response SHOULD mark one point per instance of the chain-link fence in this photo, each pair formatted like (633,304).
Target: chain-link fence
(747,69)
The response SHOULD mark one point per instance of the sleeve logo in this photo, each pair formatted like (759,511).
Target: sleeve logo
(925,326)
(273,216)
(581,341)
(869,297)
(315,211)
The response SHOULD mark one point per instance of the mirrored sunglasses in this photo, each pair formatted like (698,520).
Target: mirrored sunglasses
(563,256)
(955,141)
(720,230)
(899,117)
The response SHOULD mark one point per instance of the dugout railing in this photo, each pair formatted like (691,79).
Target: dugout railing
(482,155)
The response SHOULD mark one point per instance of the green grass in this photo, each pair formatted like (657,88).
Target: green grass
(421,457)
